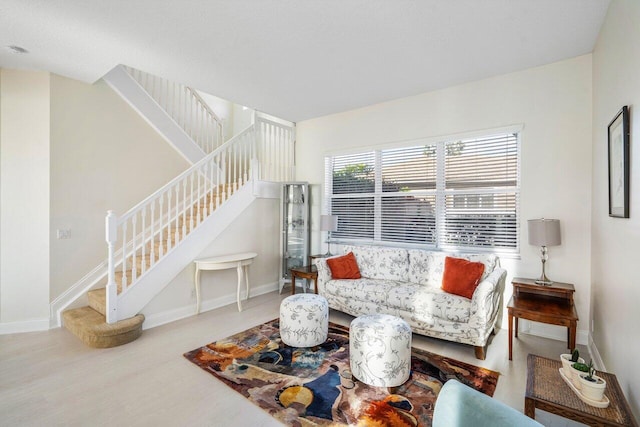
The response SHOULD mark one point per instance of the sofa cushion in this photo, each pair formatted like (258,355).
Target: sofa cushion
(378,262)
(428,301)
(344,267)
(461,277)
(422,300)
(364,289)
(426,267)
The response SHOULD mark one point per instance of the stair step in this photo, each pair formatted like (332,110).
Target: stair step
(90,326)
(119,275)
(145,261)
(179,229)
(98,300)
(156,245)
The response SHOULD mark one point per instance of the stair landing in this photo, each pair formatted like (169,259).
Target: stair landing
(90,326)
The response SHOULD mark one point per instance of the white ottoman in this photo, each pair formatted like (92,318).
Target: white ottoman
(304,320)
(380,350)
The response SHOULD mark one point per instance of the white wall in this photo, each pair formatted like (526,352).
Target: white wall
(553,102)
(103,156)
(71,151)
(255,230)
(242,117)
(24,203)
(615,249)
(234,116)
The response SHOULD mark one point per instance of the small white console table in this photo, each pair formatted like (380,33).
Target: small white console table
(240,262)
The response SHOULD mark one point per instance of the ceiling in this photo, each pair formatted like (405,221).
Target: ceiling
(299,59)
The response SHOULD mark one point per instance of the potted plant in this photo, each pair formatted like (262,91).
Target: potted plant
(578,369)
(568,359)
(592,386)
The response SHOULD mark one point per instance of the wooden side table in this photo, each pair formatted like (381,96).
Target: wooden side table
(547,391)
(309,272)
(551,304)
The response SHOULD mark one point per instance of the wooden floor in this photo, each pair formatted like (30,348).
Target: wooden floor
(52,379)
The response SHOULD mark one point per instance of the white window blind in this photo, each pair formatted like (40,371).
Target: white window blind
(481,193)
(408,200)
(450,194)
(352,195)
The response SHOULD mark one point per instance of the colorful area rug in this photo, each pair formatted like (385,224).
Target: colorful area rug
(301,386)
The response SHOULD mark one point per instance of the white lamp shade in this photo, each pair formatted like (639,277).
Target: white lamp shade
(328,223)
(544,232)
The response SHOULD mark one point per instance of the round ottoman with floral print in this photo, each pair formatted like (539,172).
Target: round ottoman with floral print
(380,350)
(304,320)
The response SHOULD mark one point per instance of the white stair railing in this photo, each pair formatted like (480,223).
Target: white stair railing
(147,233)
(276,148)
(186,108)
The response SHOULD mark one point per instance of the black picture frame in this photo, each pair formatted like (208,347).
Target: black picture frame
(618,138)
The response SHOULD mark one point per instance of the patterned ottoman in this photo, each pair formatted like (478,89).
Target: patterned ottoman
(304,320)
(380,350)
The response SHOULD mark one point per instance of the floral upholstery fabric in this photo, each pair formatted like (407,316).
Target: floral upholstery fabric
(380,350)
(403,296)
(376,262)
(426,267)
(418,298)
(304,320)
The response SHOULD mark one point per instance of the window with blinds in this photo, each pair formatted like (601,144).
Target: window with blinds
(460,194)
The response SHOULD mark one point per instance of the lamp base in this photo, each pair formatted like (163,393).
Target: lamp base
(543,280)
(328,254)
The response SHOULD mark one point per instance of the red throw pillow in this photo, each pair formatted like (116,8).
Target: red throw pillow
(461,277)
(344,267)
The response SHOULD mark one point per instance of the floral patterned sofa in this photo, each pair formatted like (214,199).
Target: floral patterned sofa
(407,283)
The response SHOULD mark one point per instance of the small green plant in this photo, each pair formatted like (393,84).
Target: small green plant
(582,367)
(590,373)
(575,355)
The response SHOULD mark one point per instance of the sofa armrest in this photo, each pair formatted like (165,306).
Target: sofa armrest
(487,299)
(324,273)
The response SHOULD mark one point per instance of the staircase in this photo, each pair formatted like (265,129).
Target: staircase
(155,240)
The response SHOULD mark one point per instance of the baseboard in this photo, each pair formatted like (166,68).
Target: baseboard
(168,316)
(24,326)
(558,333)
(78,289)
(595,355)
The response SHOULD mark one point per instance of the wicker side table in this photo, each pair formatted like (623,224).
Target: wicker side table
(547,391)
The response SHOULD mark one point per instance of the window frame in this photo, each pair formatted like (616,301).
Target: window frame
(439,192)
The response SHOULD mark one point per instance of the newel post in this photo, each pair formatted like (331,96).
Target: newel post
(111,227)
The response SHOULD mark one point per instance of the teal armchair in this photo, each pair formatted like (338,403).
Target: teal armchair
(460,406)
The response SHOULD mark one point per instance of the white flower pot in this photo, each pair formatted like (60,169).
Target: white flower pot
(575,377)
(566,364)
(592,390)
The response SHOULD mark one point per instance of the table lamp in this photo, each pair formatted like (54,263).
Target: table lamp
(544,232)
(328,223)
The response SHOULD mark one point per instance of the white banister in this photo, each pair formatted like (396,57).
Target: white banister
(112,288)
(276,148)
(175,210)
(152,229)
(185,107)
